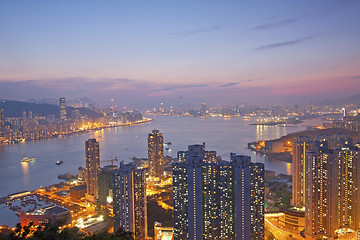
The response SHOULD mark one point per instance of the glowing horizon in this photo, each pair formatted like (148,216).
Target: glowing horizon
(158,51)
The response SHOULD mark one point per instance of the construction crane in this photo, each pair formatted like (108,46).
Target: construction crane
(112,160)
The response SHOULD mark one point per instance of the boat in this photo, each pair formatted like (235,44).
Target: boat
(59,162)
(26,159)
(246,118)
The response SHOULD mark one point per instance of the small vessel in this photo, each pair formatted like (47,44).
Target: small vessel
(59,162)
(26,159)
(246,118)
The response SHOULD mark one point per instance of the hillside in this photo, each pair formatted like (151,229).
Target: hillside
(15,109)
(355,99)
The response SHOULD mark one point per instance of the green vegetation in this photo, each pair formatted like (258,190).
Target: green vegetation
(52,232)
(157,213)
(285,197)
(269,235)
(281,196)
(15,109)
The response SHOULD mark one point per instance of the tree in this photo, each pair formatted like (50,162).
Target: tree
(52,232)
(269,235)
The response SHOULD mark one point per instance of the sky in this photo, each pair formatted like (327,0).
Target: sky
(141,53)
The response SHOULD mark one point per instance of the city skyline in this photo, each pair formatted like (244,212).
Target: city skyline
(158,51)
(201,193)
(272,88)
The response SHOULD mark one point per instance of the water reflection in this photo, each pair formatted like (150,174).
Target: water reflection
(265,132)
(288,169)
(222,136)
(25,171)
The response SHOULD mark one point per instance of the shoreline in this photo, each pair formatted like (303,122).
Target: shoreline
(64,135)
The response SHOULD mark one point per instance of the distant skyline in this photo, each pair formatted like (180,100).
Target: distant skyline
(141,53)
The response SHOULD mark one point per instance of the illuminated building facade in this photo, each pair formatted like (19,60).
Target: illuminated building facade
(300,147)
(62,105)
(155,153)
(106,184)
(52,214)
(217,200)
(332,190)
(209,156)
(257,200)
(163,233)
(77,192)
(2,123)
(129,200)
(92,155)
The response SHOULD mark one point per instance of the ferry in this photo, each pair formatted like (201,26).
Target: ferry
(26,159)
(59,162)
(246,118)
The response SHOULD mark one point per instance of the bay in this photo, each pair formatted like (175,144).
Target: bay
(219,134)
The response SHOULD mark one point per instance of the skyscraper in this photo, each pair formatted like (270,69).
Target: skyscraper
(300,147)
(209,156)
(332,185)
(129,193)
(92,155)
(217,200)
(105,181)
(62,105)
(257,200)
(155,153)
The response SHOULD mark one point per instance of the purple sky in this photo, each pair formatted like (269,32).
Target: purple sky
(142,53)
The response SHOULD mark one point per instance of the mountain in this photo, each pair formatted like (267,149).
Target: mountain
(84,101)
(15,109)
(355,99)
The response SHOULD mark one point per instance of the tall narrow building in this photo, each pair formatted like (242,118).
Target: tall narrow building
(155,153)
(257,201)
(332,186)
(129,194)
(105,180)
(92,155)
(300,147)
(62,105)
(217,200)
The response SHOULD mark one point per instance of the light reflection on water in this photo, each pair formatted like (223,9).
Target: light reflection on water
(25,171)
(266,132)
(288,168)
(125,142)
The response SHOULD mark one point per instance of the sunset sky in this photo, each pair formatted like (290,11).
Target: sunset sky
(142,53)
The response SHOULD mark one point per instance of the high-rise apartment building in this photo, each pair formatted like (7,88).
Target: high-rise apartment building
(155,153)
(257,200)
(62,105)
(332,184)
(105,181)
(209,156)
(300,147)
(217,200)
(129,194)
(92,155)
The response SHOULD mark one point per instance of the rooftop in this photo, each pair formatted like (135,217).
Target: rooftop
(79,188)
(53,209)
